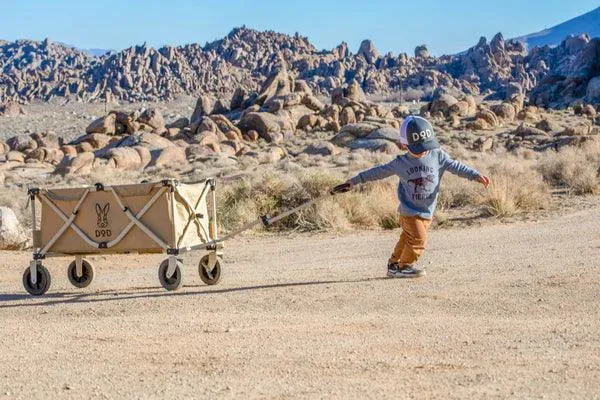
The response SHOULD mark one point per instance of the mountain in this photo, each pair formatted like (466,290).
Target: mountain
(96,52)
(31,70)
(587,23)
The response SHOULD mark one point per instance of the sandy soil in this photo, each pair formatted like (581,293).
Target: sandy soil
(506,311)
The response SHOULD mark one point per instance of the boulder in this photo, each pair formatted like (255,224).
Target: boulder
(354,92)
(251,136)
(379,145)
(125,158)
(106,125)
(204,106)
(274,155)
(238,98)
(483,144)
(149,140)
(460,108)
(49,140)
(12,234)
(170,157)
(530,114)
(548,126)
(279,83)
(385,133)
(307,122)
(525,131)
(368,50)
(4,148)
(15,156)
(322,148)
(48,155)
(96,140)
(352,131)
(505,111)
(226,126)
(179,123)
(265,124)
(586,110)
(196,152)
(22,143)
(488,116)
(153,118)
(126,122)
(442,103)
(313,103)
(421,51)
(582,129)
(81,164)
(347,116)
(69,150)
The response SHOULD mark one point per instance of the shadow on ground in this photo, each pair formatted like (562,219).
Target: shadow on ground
(25,300)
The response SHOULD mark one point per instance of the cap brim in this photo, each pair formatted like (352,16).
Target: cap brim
(423,147)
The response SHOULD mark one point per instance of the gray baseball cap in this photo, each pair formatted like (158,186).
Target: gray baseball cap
(418,134)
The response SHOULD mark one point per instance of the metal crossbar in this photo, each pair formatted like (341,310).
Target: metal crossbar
(135,220)
(193,216)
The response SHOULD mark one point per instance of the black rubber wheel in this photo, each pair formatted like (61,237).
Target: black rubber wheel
(86,277)
(209,277)
(43,281)
(172,283)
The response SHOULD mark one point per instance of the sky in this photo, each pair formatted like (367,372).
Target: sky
(446,26)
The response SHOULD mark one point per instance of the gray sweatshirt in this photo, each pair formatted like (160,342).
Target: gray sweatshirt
(419,179)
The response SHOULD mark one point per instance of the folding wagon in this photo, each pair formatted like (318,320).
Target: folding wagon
(162,217)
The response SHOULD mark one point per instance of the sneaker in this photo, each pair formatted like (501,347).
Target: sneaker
(408,271)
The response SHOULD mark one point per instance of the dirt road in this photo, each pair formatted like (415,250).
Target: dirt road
(506,311)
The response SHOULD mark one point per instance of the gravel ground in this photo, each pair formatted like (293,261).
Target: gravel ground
(506,311)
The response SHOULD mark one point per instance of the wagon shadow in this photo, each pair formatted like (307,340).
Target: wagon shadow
(150,292)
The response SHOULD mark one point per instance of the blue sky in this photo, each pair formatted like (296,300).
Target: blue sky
(446,26)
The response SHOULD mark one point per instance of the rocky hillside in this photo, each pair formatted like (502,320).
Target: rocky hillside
(32,70)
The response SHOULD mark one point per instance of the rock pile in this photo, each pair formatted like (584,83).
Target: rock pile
(42,70)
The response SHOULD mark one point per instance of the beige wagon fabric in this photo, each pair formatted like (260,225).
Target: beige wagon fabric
(100,217)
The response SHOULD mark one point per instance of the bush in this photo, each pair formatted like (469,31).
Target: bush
(373,205)
(514,189)
(576,168)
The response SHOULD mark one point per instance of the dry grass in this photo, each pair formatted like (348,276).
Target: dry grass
(575,168)
(371,206)
(521,183)
(515,188)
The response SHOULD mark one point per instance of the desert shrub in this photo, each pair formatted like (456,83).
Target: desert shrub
(514,189)
(458,192)
(371,206)
(576,168)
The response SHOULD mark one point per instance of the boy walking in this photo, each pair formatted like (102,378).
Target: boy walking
(420,171)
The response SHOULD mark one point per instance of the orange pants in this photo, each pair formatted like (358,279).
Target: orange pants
(412,240)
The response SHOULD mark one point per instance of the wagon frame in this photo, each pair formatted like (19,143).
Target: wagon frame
(36,278)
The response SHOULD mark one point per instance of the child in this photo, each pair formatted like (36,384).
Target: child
(420,171)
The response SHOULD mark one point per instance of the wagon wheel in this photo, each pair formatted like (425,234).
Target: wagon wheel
(43,281)
(87,274)
(209,276)
(172,283)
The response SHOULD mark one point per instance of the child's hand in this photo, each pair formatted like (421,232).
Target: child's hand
(484,180)
(343,188)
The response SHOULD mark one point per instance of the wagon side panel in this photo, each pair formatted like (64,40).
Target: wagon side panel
(101,218)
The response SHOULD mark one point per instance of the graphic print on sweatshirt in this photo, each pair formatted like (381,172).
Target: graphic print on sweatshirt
(422,187)
(421,181)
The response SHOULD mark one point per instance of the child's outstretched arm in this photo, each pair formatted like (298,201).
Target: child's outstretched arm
(375,173)
(462,170)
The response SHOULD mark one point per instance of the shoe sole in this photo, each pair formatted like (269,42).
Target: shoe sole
(404,276)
